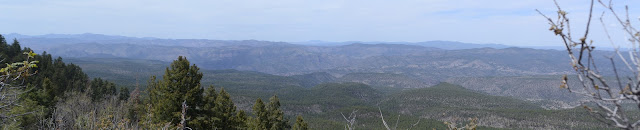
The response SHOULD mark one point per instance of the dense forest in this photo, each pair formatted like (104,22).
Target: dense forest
(61,96)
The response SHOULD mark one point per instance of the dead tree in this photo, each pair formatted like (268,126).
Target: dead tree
(183,118)
(608,96)
(397,120)
(11,86)
(351,120)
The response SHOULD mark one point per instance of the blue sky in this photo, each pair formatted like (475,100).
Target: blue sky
(510,22)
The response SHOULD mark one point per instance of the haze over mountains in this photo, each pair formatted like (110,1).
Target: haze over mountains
(106,39)
(416,65)
(434,60)
(85,45)
(431,61)
(396,75)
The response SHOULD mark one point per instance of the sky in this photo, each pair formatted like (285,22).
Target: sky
(509,22)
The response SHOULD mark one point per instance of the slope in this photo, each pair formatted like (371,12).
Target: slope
(448,102)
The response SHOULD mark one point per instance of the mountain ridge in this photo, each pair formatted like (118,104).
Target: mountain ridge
(92,37)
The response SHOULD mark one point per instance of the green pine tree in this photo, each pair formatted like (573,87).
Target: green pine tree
(100,89)
(14,51)
(261,121)
(268,117)
(226,112)
(241,117)
(207,113)
(4,47)
(181,82)
(276,116)
(300,124)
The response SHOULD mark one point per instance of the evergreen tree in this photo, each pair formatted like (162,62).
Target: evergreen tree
(209,99)
(3,43)
(14,50)
(3,47)
(124,94)
(181,82)
(101,88)
(268,117)
(241,117)
(226,112)
(207,114)
(76,79)
(261,121)
(136,106)
(276,116)
(300,124)
(46,95)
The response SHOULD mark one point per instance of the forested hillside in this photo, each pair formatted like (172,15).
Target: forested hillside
(322,104)
(57,95)
(543,89)
(149,94)
(418,61)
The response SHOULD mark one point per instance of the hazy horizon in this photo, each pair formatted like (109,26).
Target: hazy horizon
(509,22)
(308,42)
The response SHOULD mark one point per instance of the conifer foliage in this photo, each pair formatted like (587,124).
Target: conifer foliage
(61,96)
(226,113)
(300,124)
(207,108)
(100,88)
(46,85)
(268,117)
(180,83)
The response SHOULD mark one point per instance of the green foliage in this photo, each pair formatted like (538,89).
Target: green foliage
(125,72)
(181,82)
(124,93)
(83,104)
(46,95)
(29,111)
(269,116)
(300,124)
(321,105)
(226,112)
(261,119)
(101,88)
(69,77)
(207,113)
(452,96)
(15,111)
(54,78)
(332,96)
(243,119)
(276,115)
(20,66)
(219,112)
(136,106)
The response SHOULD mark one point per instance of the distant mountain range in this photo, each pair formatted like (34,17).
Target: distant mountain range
(110,39)
(429,61)
(49,40)
(447,45)
(379,65)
